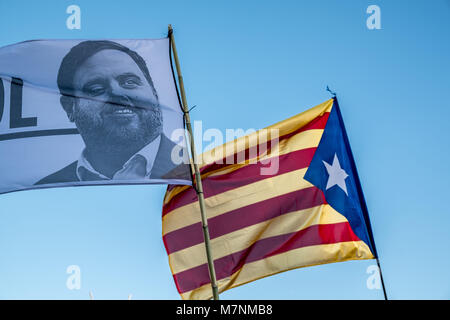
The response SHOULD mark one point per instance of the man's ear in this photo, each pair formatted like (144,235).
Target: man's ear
(68,103)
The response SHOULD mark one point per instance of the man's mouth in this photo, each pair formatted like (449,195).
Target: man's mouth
(123,111)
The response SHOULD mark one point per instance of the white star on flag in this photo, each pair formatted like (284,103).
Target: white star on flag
(336,175)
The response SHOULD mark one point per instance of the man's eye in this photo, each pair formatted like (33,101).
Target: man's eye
(131,82)
(95,90)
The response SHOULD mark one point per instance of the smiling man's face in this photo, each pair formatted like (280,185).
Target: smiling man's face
(117,105)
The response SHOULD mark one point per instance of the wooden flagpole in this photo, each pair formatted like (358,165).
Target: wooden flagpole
(198,180)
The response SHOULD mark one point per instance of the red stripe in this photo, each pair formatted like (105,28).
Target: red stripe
(228,265)
(244,217)
(317,123)
(214,185)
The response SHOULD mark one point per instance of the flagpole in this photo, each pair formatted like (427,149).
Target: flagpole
(198,179)
(381,278)
(360,192)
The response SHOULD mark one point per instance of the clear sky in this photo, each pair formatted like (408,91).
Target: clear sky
(249,64)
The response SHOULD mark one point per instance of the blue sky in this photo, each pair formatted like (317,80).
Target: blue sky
(248,64)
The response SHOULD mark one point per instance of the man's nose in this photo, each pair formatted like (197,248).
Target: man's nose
(119,96)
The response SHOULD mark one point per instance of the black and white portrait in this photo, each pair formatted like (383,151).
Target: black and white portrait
(106,90)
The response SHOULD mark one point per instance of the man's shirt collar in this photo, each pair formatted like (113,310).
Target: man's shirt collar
(86,172)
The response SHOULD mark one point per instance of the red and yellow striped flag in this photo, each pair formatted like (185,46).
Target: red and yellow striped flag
(262,224)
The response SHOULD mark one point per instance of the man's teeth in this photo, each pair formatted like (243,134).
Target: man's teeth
(123,111)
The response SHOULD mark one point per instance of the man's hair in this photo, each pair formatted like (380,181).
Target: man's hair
(86,49)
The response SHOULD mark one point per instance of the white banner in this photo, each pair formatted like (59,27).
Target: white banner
(75,112)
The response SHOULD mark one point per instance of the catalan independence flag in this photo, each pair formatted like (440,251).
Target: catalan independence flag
(309,211)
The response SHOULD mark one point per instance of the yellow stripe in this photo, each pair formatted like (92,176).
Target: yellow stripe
(243,238)
(172,193)
(303,140)
(236,198)
(298,258)
(285,127)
